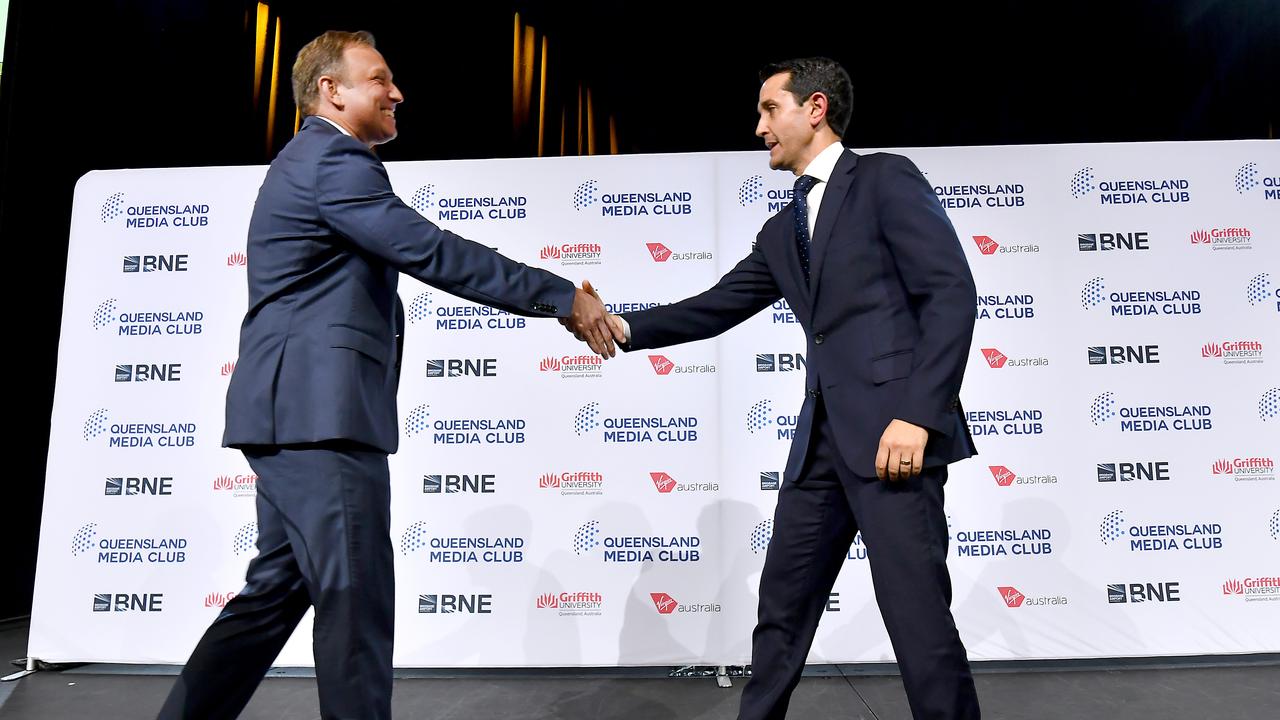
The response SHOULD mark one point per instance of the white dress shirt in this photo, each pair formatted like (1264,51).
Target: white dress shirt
(820,169)
(344,130)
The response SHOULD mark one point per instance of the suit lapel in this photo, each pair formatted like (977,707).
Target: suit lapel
(787,242)
(832,201)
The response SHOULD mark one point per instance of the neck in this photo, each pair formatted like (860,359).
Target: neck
(821,141)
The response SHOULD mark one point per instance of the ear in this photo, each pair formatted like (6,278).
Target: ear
(330,91)
(818,105)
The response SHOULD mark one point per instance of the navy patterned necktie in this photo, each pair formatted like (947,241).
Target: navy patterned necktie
(803,184)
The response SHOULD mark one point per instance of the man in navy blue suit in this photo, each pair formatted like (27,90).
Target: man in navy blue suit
(312,403)
(875,274)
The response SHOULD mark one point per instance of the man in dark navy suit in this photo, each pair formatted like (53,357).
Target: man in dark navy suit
(872,268)
(312,402)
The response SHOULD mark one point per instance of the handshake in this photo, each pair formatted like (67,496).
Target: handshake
(592,323)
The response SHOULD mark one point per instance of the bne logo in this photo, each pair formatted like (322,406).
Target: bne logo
(446,604)
(139,486)
(664,603)
(1011,595)
(1124,354)
(1143,592)
(449,484)
(458,367)
(1130,471)
(1106,242)
(171,372)
(128,602)
(780,362)
(155,263)
(237,259)
(770,480)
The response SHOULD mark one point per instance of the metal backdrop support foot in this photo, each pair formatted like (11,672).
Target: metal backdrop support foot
(722,677)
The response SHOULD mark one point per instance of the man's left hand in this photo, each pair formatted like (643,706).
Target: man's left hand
(901,452)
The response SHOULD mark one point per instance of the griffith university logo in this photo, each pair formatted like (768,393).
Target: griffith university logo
(237,259)
(581,603)
(1259,292)
(569,254)
(1005,477)
(1141,302)
(218,599)
(583,482)
(1225,238)
(761,534)
(1243,469)
(988,246)
(1234,352)
(237,485)
(1130,191)
(573,366)
(1253,589)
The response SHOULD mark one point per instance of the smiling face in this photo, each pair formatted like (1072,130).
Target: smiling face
(364,99)
(790,130)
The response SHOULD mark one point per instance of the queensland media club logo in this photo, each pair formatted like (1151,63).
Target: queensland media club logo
(764,422)
(761,536)
(581,482)
(134,549)
(1170,302)
(656,203)
(1006,307)
(997,360)
(1004,477)
(1113,241)
(993,196)
(1234,352)
(664,429)
(1168,591)
(570,254)
(1015,599)
(1247,182)
(1130,191)
(1004,542)
(184,216)
(1269,405)
(753,190)
(1246,469)
(128,435)
(582,603)
(665,484)
(1261,293)
(159,322)
(434,204)
(455,604)
(461,318)
(1007,421)
(590,541)
(1159,537)
(1170,417)
(469,549)
(155,263)
(664,366)
(245,539)
(988,245)
(1223,238)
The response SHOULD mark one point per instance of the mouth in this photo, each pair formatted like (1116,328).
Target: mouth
(389,112)
(771,144)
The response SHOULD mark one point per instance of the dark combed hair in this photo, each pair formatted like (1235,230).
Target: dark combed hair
(814,75)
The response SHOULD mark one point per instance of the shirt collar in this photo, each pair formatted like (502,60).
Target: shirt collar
(824,163)
(342,129)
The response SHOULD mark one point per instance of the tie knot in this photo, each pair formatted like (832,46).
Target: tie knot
(804,183)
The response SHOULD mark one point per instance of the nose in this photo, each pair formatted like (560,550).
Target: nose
(395,94)
(761,127)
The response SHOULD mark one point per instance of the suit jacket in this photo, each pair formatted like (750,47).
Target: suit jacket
(320,345)
(888,314)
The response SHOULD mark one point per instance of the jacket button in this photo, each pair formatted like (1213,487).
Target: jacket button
(815,392)
(818,339)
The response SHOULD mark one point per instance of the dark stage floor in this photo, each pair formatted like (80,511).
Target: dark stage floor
(1237,688)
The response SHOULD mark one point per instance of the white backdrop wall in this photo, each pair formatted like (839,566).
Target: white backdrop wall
(1123,390)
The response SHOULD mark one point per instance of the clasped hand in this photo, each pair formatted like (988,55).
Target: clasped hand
(592,323)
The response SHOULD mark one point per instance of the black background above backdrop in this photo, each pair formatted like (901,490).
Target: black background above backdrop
(137,83)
